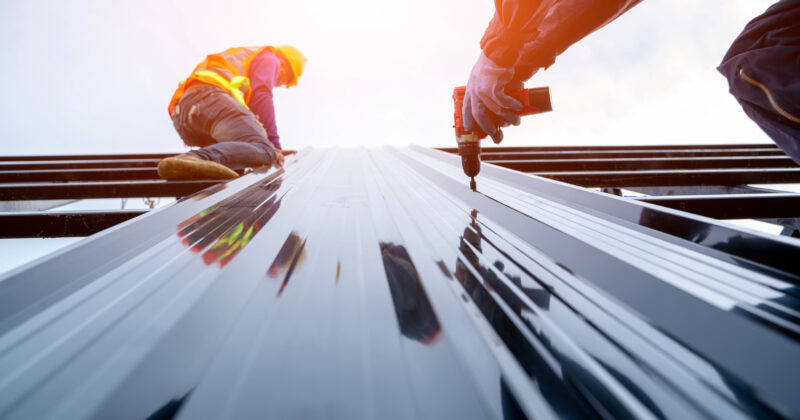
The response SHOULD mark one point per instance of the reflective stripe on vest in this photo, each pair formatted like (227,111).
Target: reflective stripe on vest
(231,86)
(228,70)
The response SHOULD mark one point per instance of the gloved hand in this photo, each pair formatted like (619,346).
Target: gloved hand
(485,100)
(276,155)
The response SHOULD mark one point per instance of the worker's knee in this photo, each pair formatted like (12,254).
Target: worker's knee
(238,128)
(234,122)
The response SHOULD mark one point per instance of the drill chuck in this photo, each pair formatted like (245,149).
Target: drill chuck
(470,152)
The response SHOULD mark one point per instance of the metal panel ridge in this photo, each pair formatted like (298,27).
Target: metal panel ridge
(372,283)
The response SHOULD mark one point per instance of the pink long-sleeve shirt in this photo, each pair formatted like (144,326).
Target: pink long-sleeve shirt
(264,70)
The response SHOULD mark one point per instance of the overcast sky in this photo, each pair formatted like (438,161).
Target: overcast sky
(96,76)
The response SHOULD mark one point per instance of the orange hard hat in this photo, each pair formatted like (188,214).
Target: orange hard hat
(296,60)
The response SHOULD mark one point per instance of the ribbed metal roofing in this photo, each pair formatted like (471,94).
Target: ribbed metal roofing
(360,283)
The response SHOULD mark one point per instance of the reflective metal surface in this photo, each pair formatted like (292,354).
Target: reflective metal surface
(372,283)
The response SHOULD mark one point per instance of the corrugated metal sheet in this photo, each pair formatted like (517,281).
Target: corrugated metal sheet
(374,284)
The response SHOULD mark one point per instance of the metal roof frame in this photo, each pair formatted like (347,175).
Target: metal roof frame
(687,167)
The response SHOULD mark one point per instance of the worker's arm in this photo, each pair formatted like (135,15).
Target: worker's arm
(515,23)
(564,24)
(557,23)
(263,75)
(522,37)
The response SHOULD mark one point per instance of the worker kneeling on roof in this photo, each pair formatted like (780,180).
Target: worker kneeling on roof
(225,107)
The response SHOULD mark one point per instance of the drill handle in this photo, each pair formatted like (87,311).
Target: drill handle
(534,101)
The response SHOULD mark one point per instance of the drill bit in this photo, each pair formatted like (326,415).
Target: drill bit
(472,184)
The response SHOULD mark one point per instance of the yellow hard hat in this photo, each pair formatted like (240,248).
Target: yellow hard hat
(296,60)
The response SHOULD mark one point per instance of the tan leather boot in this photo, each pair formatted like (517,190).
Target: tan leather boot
(188,166)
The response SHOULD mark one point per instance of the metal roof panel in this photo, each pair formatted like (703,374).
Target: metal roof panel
(364,283)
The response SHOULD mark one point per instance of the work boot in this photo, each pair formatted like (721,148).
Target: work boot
(188,166)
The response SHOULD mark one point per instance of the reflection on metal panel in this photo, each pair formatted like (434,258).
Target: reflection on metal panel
(414,312)
(374,284)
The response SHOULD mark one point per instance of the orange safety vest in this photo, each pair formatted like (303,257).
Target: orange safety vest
(229,70)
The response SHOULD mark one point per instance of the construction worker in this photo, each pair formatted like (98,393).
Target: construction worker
(225,107)
(763,65)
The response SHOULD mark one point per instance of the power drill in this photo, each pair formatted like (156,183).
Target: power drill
(534,101)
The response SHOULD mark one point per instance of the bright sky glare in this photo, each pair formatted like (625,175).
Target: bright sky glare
(89,76)
(95,76)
